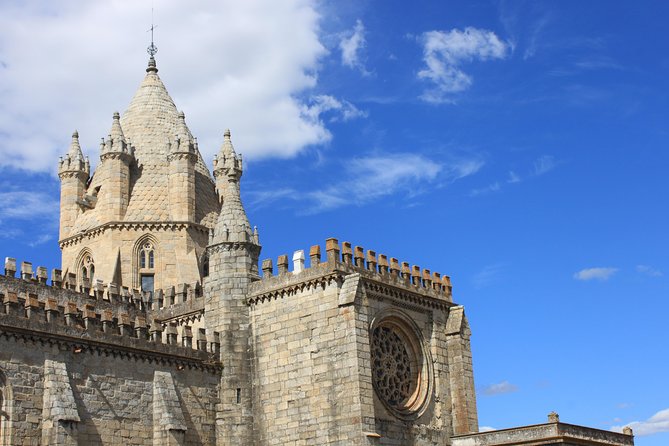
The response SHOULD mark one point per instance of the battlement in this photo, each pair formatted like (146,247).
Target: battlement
(347,259)
(68,286)
(103,318)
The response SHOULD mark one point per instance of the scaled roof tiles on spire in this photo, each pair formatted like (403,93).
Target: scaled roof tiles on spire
(150,121)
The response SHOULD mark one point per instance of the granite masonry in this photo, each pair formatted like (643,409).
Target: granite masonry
(164,327)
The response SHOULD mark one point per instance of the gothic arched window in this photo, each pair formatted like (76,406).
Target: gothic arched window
(147,265)
(87,267)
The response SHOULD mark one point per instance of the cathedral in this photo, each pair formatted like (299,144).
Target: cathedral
(164,326)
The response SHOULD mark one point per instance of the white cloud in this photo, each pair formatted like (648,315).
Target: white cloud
(24,205)
(595,273)
(40,240)
(372,177)
(513,177)
(499,388)
(544,164)
(649,271)
(494,187)
(351,45)
(369,178)
(444,53)
(653,425)
(486,429)
(322,104)
(243,65)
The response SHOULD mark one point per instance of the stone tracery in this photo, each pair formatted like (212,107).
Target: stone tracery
(391,367)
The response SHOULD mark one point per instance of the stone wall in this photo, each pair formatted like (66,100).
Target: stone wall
(86,369)
(101,399)
(312,335)
(306,368)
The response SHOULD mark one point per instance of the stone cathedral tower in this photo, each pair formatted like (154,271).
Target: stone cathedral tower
(150,201)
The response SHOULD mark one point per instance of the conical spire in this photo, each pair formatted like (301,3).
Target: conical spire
(116,141)
(183,139)
(116,132)
(74,161)
(233,224)
(227,162)
(75,153)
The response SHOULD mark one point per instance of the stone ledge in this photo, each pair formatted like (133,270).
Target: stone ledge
(545,434)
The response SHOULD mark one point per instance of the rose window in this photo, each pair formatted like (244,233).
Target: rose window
(392,367)
(401,369)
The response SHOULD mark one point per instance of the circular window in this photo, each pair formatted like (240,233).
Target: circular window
(401,372)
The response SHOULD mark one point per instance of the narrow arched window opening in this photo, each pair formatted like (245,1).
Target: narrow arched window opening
(147,264)
(87,268)
(205,265)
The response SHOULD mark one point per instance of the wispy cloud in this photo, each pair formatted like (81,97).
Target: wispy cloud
(653,425)
(486,429)
(491,188)
(41,210)
(649,271)
(352,44)
(369,178)
(541,166)
(599,273)
(499,388)
(513,177)
(40,240)
(27,205)
(488,274)
(445,52)
(536,30)
(544,164)
(339,109)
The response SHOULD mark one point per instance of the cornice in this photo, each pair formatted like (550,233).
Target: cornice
(173,355)
(132,225)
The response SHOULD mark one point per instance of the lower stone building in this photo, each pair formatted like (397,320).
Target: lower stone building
(163,327)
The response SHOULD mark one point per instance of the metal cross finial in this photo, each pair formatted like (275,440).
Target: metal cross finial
(152,49)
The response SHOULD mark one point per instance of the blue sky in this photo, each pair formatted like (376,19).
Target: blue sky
(520,147)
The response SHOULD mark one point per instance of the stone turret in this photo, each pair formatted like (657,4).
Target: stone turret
(232,224)
(182,156)
(116,154)
(73,171)
(233,265)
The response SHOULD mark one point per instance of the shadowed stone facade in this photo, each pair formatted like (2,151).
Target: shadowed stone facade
(162,327)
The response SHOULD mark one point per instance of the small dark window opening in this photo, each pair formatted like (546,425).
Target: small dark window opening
(239,395)
(147,283)
(205,266)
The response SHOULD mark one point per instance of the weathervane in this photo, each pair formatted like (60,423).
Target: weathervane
(152,49)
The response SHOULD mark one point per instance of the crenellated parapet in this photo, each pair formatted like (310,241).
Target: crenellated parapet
(342,260)
(66,286)
(115,323)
